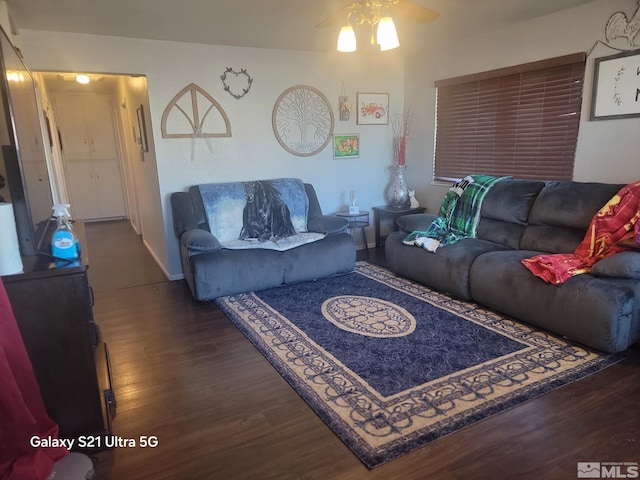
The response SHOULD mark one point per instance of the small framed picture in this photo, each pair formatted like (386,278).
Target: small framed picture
(142,128)
(346,146)
(372,109)
(616,86)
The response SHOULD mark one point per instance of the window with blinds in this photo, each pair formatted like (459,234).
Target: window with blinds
(521,121)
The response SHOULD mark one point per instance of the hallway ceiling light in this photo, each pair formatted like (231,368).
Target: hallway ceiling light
(82,78)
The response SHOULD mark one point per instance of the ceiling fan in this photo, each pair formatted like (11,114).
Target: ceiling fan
(376,13)
(400,8)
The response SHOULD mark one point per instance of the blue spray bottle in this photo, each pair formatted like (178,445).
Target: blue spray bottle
(64,243)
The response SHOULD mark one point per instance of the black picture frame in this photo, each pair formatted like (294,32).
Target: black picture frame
(142,128)
(616,86)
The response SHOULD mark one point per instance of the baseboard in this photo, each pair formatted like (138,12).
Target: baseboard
(157,260)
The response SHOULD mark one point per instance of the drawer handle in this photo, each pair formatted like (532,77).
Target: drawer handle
(111,402)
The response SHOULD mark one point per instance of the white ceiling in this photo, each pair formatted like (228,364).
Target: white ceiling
(280,24)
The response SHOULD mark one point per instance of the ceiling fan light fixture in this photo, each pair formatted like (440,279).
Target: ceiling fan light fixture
(347,39)
(387,36)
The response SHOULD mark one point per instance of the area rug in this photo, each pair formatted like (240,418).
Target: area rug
(391,365)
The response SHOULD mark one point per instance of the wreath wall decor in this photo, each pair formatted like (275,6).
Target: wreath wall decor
(237,84)
(302,120)
(189,115)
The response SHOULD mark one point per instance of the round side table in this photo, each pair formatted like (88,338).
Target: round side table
(358,220)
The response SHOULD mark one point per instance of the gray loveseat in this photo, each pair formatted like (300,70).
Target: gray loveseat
(521,219)
(233,240)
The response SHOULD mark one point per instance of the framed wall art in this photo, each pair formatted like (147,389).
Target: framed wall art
(346,146)
(302,120)
(616,86)
(372,109)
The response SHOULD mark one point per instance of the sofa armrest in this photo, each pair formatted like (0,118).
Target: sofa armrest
(327,224)
(618,265)
(199,241)
(415,222)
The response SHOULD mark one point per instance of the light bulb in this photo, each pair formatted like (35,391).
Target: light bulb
(387,36)
(83,79)
(347,39)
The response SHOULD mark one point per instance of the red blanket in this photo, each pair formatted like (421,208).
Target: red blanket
(617,220)
(22,413)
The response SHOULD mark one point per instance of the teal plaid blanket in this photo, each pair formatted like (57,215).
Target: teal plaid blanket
(459,214)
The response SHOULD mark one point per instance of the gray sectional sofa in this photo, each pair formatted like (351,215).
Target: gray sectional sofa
(521,219)
(224,252)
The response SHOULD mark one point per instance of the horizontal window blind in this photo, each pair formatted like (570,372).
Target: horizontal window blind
(521,121)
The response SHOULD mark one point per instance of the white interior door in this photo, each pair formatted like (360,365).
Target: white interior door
(91,158)
(82,188)
(109,188)
(73,131)
(100,128)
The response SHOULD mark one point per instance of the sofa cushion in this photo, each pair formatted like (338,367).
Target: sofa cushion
(505,211)
(595,311)
(333,255)
(510,200)
(620,265)
(497,231)
(224,204)
(570,204)
(565,210)
(447,269)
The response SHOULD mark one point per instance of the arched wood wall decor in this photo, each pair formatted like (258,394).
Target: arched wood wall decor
(185,120)
(302,120)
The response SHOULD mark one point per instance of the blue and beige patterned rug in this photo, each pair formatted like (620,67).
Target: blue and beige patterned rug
(390,365)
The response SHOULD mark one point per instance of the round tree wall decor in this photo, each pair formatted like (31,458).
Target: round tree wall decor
(302,120)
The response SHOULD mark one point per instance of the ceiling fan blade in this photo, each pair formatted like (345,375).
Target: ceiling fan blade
(338,19)
(413,11)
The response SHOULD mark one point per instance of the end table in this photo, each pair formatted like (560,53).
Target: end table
(387,211)
(357,220)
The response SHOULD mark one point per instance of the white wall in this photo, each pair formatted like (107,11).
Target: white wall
(607,150)
(252,152)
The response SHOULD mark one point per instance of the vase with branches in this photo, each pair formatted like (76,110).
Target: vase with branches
(398,193)
(401,126)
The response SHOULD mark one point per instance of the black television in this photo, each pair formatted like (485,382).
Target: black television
(24,157)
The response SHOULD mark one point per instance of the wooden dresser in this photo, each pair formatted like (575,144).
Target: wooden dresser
(53,306)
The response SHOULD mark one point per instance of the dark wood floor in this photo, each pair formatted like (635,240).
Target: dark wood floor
(185,375)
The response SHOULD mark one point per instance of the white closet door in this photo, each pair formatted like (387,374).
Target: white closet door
(100,130)
(73,131)
(109,188)
(91,157)
(82,187)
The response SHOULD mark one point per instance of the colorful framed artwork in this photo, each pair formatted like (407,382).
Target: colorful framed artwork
(373,109)
(346,146)
(616,86)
